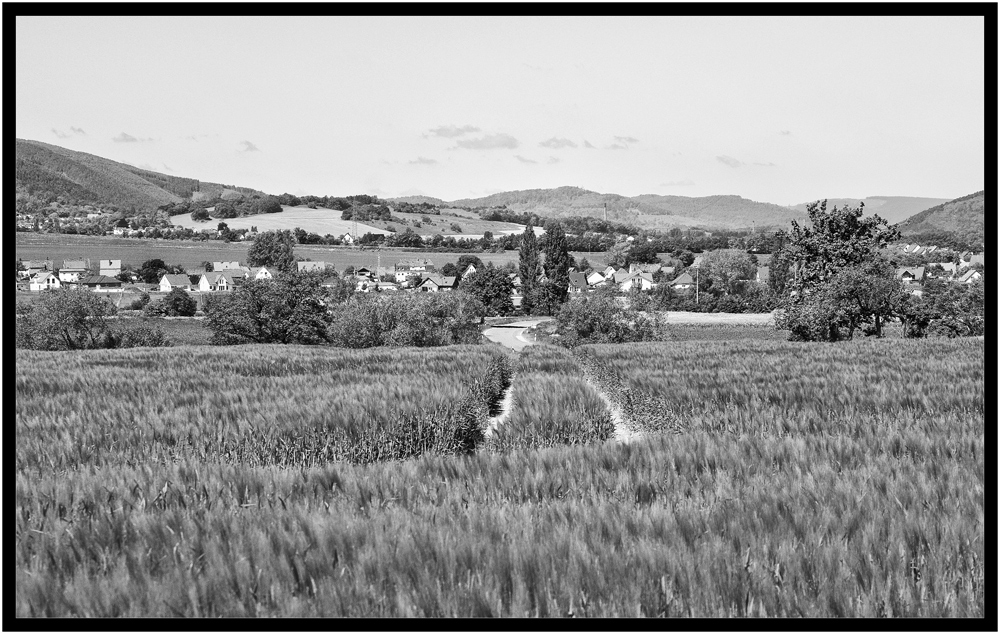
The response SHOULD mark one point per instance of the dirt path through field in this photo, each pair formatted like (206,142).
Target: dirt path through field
(505,407)
(623,433)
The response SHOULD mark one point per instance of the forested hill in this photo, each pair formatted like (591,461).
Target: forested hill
(963,217)
(892,208)
(48,173)
(648,210)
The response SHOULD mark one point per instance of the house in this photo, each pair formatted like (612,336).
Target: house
(121,227)
(577,282)
(641,281)
(347,239)
(386,286)
(620,276)
(970,276)
(910,275)
(311,267)
(225,266)
(260,273)
(216,281)
(238,276)
(608,272)
(406,268)
(683,283)
(763,274)
(34,267)
(978,258)
(111,268)
(100,282)
(73,270)
(437,283)
(169,282)
(595,279)
(469,270)
(363,272)
(43,281)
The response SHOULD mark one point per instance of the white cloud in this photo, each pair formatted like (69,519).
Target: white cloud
(490,142)
(450,131)
(556,143)
(728,160)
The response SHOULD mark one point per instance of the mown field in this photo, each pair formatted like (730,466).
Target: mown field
(190,254)
(318,221)
(783,480)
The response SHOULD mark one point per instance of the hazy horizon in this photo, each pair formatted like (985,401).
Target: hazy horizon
(775,109)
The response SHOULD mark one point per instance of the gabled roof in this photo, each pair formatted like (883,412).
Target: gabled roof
(96,280)
(42,275)
(595,278)
(70,265)
(440,281)
(978,258)
(684,278)
(916,272)
(176,280)
(577,280)
(622,275)
(968,275)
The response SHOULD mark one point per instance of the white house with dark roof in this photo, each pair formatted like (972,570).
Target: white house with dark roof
(170,281)
(437,283)
(684,282)
(910,274)
(577,282)
(595,279)
(406,268)
(214,281)
(43,281)
(260,273)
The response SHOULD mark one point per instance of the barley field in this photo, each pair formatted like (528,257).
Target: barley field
(805,481)
(553,404)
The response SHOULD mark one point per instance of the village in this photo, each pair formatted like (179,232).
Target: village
(422,275)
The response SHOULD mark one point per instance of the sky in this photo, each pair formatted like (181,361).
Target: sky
(775,109)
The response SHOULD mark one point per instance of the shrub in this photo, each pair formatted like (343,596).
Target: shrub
(178,303)
(132,333)
(424,319)
(140,302)
(64,319)
(291,308)
(604,319)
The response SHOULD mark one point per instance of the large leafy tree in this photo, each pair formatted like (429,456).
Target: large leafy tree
(292,308)
(493,287)
(728,270)
(273,249)
(837,238)
(528,266)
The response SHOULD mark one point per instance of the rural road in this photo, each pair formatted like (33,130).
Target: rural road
(511,335)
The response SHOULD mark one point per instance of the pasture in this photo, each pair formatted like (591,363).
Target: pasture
(802,480)
(191,254)
(319,221)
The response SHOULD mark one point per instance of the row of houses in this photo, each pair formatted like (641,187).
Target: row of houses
(913,277)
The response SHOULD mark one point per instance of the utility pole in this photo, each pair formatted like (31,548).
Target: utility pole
(697,283)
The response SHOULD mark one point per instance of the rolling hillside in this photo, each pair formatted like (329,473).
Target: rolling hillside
(964,217)
(892,208)
(49,171)
(647,211)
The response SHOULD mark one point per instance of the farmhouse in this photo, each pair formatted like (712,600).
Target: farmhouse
(110,268)
(169,282)
(642,281)
(910,275)
(436,283)
(216,281)
(72,270)
(683,283)
(595,279)
(43,281)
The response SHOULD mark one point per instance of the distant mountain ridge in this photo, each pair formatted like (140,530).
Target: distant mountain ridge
(965,217)
(891,208)
(52,171)
(649,211)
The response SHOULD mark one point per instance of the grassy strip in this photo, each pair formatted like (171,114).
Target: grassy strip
(553,405)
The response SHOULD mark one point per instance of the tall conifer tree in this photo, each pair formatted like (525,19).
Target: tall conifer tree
(528,266)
